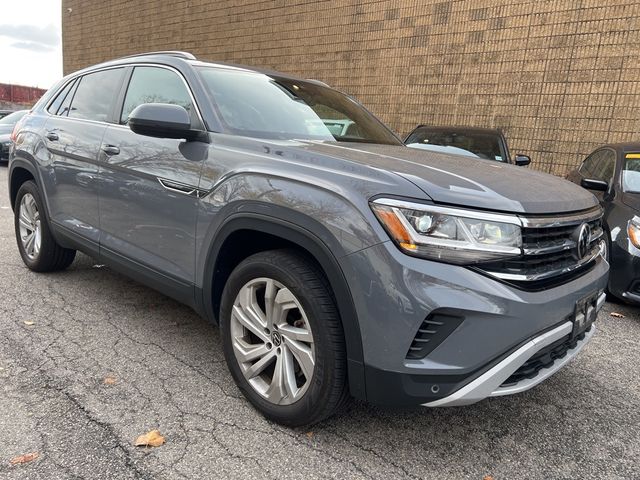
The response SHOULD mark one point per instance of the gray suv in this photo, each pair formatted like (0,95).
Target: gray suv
(338,262)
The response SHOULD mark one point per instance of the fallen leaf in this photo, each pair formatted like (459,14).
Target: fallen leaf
(310,434)
(110,380)
(28,322)
(617,315)
(487,477)
(150,439)
(29,457)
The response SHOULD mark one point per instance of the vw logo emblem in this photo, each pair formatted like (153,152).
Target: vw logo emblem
(276,339)
(583,234)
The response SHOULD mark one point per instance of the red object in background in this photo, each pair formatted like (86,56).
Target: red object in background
(20,94)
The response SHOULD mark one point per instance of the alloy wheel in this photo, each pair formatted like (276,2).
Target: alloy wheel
(30,226)
(272,341)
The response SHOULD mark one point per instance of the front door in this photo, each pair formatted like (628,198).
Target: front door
(148,193)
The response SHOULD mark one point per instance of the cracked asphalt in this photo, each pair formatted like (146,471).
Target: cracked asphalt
(62,334)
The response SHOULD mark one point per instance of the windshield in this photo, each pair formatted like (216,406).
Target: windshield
(631,174)
(480,145)
(13,118)
(258,105)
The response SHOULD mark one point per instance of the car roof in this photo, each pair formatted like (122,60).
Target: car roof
(623,147)
(460,129)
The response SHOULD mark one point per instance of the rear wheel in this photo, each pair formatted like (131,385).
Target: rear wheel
(38,249)
(283,339)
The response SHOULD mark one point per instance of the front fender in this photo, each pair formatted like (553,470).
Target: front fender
(322,247)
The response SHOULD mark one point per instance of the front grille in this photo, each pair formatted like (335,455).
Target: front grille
(431,333)
(545,358)
(549,252)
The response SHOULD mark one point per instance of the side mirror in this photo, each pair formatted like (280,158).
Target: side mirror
(593,184)
(522,160)
(162,120)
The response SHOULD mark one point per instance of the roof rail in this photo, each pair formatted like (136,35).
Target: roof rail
(172,53)
(317,82)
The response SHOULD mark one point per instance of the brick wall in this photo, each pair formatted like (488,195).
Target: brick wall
(559,77)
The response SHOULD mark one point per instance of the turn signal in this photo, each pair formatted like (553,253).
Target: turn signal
(633,230)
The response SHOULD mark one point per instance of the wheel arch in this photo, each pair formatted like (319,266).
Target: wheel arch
(283,234)
(20,172)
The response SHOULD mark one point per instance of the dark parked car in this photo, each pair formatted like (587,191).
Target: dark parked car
(486,143)
(336,260)
(4,113)
(6,127)
(612,173)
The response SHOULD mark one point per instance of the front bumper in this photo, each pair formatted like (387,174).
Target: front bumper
(491,383)
(502,327)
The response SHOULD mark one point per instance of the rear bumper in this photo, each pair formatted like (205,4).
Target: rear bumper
(490,383)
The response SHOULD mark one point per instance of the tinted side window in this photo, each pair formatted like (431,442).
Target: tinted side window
(590,165)
(416,136)
(54,108)
(95,95)
(599,166)
(66,104)
(607,166)
(155,85)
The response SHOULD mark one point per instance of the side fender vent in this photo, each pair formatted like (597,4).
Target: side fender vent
(431,333)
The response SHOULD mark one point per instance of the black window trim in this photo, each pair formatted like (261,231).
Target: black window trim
(119,103)
(71,83)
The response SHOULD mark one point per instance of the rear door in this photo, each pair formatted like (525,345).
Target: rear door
(149,192)
(73,136)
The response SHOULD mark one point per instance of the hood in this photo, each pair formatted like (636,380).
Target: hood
(466,181)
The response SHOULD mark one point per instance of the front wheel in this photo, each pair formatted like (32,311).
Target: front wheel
(38,249)
(283,338)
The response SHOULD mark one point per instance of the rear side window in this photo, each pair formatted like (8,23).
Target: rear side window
(155,85)
(95,94)
(54,108)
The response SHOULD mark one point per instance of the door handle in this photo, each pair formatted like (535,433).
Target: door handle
(110,150)
(53,136)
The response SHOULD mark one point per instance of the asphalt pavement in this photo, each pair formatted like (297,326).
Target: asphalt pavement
(89,360)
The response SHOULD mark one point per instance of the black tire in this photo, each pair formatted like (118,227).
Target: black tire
(327,391)
(51,256)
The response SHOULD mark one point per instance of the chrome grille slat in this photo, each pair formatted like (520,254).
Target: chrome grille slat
(548,246)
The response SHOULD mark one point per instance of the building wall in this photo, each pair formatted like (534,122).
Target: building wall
(560,77)
(18,95)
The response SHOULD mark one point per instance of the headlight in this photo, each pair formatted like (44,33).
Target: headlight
(449,234)
(633,231)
